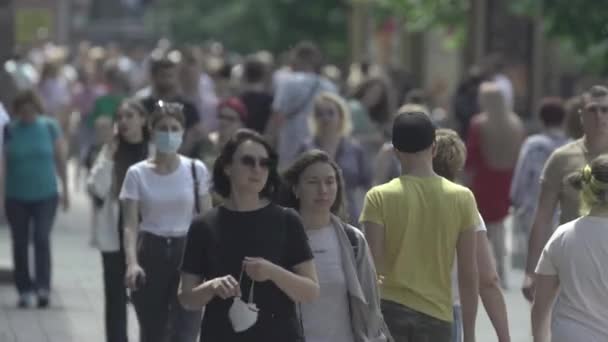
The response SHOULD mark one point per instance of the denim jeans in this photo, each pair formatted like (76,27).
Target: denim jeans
(407,325)
(161,317)
(29,219)
(457,324)
(115,292)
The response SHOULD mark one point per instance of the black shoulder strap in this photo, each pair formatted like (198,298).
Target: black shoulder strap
(310,96)
(353,238)
(197,204)
(7,133)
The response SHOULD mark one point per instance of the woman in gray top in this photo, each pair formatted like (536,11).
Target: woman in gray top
(348,309)
(331,127)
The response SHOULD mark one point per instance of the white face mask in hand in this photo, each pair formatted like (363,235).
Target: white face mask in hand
(243,315)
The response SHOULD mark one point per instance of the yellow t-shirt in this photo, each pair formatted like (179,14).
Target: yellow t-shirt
(422,219)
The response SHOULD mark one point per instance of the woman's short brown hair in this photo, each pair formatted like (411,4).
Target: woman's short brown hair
(26,97)
(164,109)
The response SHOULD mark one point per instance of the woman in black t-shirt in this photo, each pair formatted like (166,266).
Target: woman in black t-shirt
(248,261)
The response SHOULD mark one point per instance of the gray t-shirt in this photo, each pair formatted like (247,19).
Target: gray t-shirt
(577,254)
(294,99)
(328,319)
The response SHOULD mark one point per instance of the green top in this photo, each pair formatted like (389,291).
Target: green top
(106,105)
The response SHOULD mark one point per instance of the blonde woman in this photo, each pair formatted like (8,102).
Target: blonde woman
(572,268)
(448,162)
(331,127)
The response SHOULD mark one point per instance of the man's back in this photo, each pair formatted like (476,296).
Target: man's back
(422,219)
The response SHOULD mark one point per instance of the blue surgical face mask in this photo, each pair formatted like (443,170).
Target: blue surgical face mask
(168,142)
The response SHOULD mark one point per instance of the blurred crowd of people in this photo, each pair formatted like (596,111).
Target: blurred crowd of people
(357,147)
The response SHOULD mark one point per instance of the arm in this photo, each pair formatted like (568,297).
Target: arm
(489,289)
(99,181)
(540,233)
(61,161)
(301,285)
(130,219)
(272,127)
(206,202)
(547,287)
(374,233)
(468,281)
(194,294)
(381,166)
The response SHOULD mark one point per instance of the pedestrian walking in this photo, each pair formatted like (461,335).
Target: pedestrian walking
(34,157)
(331,126)
(160,197)
(555,190)
(493,143)
(572,268)
(525,186)
(448,162)
(348,308)
(421,216)
(248,260)
(130,146)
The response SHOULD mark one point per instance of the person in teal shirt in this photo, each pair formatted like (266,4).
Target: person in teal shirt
(34,154)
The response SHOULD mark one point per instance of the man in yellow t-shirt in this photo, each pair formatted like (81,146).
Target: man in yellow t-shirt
(414,225)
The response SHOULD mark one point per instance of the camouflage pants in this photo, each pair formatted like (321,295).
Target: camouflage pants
(407,325)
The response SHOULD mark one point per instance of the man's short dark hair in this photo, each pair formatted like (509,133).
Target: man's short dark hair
(552,112)
(221,182)
(307,53)
(160,63)
(254,71)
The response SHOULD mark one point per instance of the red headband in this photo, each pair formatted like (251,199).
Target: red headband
(235,104)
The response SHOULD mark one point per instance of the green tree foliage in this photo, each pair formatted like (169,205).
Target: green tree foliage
(250,25)
(580,24)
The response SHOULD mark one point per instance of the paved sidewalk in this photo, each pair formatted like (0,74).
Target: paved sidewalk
(76,312)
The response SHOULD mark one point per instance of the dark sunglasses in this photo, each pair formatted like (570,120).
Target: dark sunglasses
(597,109)
(251,161)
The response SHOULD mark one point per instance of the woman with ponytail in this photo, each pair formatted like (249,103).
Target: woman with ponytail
(573,267)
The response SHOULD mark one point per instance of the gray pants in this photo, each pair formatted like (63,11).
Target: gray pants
(161,317)
(407,325)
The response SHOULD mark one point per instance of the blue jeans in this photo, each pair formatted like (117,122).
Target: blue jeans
(29,219)
(457,324)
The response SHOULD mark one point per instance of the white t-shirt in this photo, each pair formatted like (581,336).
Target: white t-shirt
(166,202)
(327,319)
(4,119)
(455,290)
(578,254)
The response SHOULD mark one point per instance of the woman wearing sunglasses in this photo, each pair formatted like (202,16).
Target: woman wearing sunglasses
(331,127)
(159,198)
(248,261)
(348,309)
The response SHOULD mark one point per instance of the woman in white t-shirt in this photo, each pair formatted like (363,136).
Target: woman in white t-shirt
(348,309)
(449,159)
(573,268)
(159,198)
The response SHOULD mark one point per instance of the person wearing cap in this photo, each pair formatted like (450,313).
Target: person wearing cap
(232,116)
(422,216)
